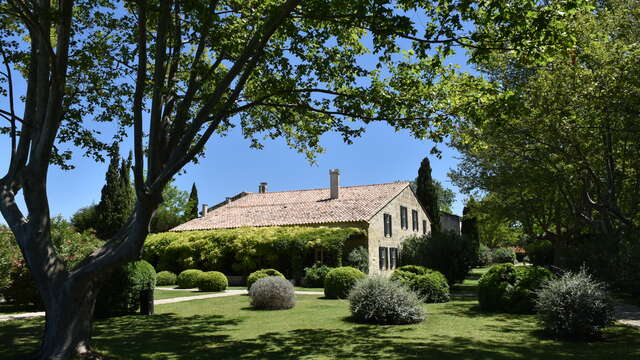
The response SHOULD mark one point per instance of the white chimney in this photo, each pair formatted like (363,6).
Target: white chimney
(205,208)
(334,181)
(262,188)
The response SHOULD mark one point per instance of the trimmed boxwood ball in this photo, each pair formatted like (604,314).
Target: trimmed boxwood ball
(212,281)
(574,306)
(262,273)
(379,300)
(430,285)
(164,278)
(188,279)
(272,293)
(340,281)
(507,288)
(120,293)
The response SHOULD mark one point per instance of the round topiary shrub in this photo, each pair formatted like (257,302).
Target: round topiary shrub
(188,279)
(314,276)
(262,273)
(431,287)
(512,289)
(574,306)
(379,300)
(120,293)
(272,293)
(164,278)
(212,281)
(339,282)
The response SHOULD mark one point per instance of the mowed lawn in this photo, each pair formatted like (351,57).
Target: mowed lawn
(317,328)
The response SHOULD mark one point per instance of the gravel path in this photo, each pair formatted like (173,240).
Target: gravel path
(628,314)
(159,302)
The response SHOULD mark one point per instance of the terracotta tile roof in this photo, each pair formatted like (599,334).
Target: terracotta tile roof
(298,207)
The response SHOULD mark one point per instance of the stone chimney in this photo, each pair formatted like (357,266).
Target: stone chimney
(334,181)
(262,188)
(205,208)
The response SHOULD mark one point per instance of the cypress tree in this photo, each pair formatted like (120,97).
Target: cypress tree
(117,197)
(470,225)
(191,210)
(427,194)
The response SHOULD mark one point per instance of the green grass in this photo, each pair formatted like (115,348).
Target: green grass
(8,309)
(169,294)
(227,328)
(470,284)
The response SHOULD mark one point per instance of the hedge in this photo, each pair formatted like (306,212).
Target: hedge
(243,250)
(507,288)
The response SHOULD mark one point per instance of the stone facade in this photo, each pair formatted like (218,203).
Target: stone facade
(450,222)
(376,230)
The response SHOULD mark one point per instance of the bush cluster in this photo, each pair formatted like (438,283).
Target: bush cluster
(485,255)
(379,300)
(262,273)
(16,283)
(429,284)
(314,276)
(272,293)
(120,293)
(507,288)
(340,281)
(574,306)
(447,252)
(503,255)
(244,250)
(188,279)
(540,252)
(164,278)
(212,281)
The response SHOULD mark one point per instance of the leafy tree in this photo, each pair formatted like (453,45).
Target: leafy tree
(557,145)
(85,218)
(175,73)
(427,194)
(172,210)
(191,211)
(469,228)
(446,197)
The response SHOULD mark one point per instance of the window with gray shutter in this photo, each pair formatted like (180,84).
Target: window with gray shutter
(404,221)
(387,225)
(414,220)
(424,227)
(384,258)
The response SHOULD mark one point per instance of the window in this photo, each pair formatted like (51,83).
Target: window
(393,257)
(404,221)
(424,227)
(415,226)
(384,258)
(387,225)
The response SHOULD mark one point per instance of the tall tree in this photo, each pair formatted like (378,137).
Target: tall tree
(116,200)
(172,211)
(446,197)
(192,206)
(175,73)
(427,194)
(470,231)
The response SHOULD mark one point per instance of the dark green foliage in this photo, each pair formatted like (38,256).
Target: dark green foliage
(16,282)
(212,281)
(188,279)
(431,285)
(339,282)
(506,288)
(378,300)
(120,293)
(191,210)
(359,259)
(272,293)
(173,210)
(503,255)
(540,252)
(427,195)
(117,198)
(446,252)
(574,306)
(314,276)
(164,278)
(469,228)
(85,219)
(262,273)
(244,250)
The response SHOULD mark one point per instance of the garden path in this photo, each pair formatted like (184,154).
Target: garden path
(159,302)
(628,314)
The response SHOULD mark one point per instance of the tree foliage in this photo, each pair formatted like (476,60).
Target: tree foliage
(117,197)
(173,209)
(427,194)
(191,211)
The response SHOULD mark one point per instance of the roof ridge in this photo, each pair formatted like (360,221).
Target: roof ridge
(326,188)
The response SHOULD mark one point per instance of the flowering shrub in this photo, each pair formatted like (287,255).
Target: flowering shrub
(379,300)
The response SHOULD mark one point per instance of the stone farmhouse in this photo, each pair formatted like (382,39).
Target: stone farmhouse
(388,212)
